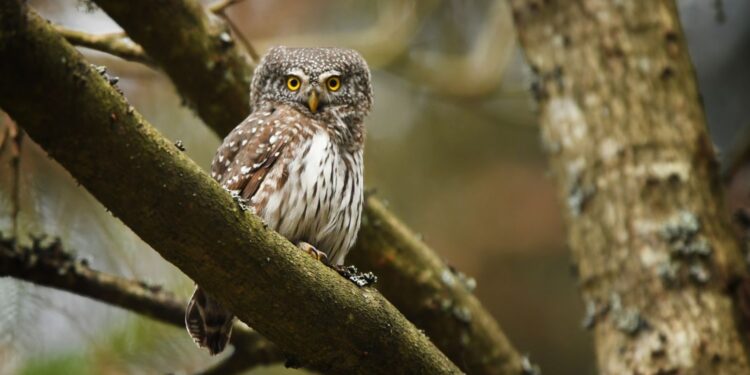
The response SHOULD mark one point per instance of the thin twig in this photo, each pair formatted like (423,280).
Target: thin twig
(245,43)
(15,138)
(116,44)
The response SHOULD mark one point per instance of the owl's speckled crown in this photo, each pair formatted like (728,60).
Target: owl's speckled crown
(314,61)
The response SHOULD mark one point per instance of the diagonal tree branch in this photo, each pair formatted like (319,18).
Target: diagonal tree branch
(51,266)
(304,307)
(478,346)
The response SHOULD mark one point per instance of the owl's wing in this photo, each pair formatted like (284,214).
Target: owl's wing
(249,152)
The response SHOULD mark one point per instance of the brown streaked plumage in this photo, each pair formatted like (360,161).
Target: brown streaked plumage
(297,159)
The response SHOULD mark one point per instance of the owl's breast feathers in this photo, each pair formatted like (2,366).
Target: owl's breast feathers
(300,181)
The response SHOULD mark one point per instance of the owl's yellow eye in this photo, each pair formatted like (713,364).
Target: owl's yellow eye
(293,83)
(333,83)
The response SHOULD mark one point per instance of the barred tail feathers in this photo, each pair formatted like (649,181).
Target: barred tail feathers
(207,322)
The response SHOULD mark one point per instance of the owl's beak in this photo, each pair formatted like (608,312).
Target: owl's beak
(312,101)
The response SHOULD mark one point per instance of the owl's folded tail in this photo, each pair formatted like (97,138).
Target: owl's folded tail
(209,323)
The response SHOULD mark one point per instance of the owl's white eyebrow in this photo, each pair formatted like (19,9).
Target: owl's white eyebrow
(299,73)
(327,74)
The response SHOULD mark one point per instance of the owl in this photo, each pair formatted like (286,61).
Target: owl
(296,160)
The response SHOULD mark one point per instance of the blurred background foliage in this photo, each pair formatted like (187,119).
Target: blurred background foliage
(452,146)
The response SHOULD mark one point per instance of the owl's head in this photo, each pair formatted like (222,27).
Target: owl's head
(313,80)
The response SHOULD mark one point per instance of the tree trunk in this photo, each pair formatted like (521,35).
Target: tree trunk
(622,122)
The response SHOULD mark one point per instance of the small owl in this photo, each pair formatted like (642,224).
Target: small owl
(297,160)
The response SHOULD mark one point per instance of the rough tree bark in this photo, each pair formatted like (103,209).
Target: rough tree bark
(304,307)
(450,315)
(622,122)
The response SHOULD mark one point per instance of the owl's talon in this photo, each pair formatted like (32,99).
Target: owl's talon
(315,253)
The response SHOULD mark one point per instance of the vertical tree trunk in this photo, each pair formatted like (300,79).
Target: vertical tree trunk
(621,118)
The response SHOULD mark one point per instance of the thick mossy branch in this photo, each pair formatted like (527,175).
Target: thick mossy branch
(621,118)
(479,346)
(306,308)
(51,266)
(195,50)
(432,295)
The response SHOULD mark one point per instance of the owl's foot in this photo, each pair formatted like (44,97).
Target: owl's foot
(351,273)
(315,253)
